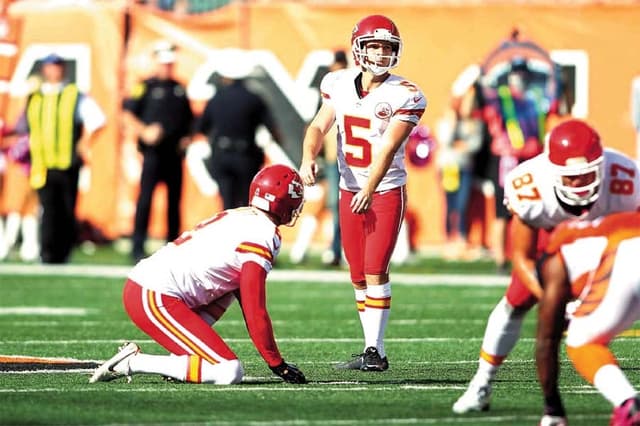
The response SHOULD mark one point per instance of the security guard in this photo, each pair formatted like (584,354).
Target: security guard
(229,122)
(161,116)
(61,122)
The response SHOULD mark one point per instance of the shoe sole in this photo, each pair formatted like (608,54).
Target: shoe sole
(482,409)
(372,368)
(104,372)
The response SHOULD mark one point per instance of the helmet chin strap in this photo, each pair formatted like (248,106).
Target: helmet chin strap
(377,70)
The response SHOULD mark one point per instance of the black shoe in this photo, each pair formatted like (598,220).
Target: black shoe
(369,360)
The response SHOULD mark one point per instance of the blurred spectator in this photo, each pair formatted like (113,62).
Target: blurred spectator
(333,255)
(635,111)
(513,117)
(460,137)
(161,116)
(61,123)
(326,194)
(229,121)
(19,200)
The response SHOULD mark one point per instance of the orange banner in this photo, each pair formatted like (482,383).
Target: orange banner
(290,43)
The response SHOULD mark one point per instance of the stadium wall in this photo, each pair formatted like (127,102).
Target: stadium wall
(439,42)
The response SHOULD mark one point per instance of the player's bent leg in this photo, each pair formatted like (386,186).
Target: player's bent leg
(597,365)
(501,334)
(223,373)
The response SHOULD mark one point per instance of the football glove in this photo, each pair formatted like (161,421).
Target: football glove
(289,373)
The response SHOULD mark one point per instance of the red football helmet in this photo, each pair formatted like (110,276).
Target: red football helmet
(575,153)
(375,27)
(278,189)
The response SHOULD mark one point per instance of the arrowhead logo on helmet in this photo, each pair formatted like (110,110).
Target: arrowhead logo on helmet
(278,190)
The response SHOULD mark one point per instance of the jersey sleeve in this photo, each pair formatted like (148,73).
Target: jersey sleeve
(523,195)
(414,104)
(253,297)
(327,86)
(261,251)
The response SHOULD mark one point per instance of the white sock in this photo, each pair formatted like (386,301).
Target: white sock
(173,366)
(613,384)
(361,296)
(485,373)
(11,230)
(502,331)
(30,248)
(224,373)
(3,251)
(377,309)
(185,368)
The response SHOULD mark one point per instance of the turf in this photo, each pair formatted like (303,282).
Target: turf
(432,342)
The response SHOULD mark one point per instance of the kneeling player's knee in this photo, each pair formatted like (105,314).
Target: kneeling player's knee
(231,372)
(223,373)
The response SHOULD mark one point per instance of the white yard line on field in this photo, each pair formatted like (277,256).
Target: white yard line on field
(275,275)
(284,339)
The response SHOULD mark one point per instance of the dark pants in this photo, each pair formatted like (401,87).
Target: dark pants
(58,226)
(234,172)
(333,180)
(156,169)
(457,204)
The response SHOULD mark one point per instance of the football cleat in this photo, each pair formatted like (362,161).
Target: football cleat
(627,414)
(113,369)
(369,360)
(548,420)
(475,398)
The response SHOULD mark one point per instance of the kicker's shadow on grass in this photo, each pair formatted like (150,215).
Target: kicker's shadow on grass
(379,380)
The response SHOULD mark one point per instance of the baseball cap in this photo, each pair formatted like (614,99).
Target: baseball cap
(164,52)
(234,64)
(53,58)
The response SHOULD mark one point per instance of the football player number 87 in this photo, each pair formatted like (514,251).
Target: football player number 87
(525,189)
(619,185)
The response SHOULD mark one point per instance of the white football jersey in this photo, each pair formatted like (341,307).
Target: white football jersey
(204,264)
(529,191)
(361,123)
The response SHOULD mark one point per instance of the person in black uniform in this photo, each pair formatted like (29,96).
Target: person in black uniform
(229,122)
(161,116)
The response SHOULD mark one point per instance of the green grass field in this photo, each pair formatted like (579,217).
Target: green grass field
(432,342)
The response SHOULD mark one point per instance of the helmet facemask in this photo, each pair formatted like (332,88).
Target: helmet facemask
(278,191)
(295,214)
(584,194)
(359,49)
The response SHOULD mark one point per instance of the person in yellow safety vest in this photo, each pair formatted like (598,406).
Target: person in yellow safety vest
(61,122)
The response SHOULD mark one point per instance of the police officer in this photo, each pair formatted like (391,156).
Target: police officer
(160,114)
(229,121)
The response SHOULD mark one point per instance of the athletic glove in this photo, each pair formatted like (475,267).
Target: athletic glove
(289,373)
